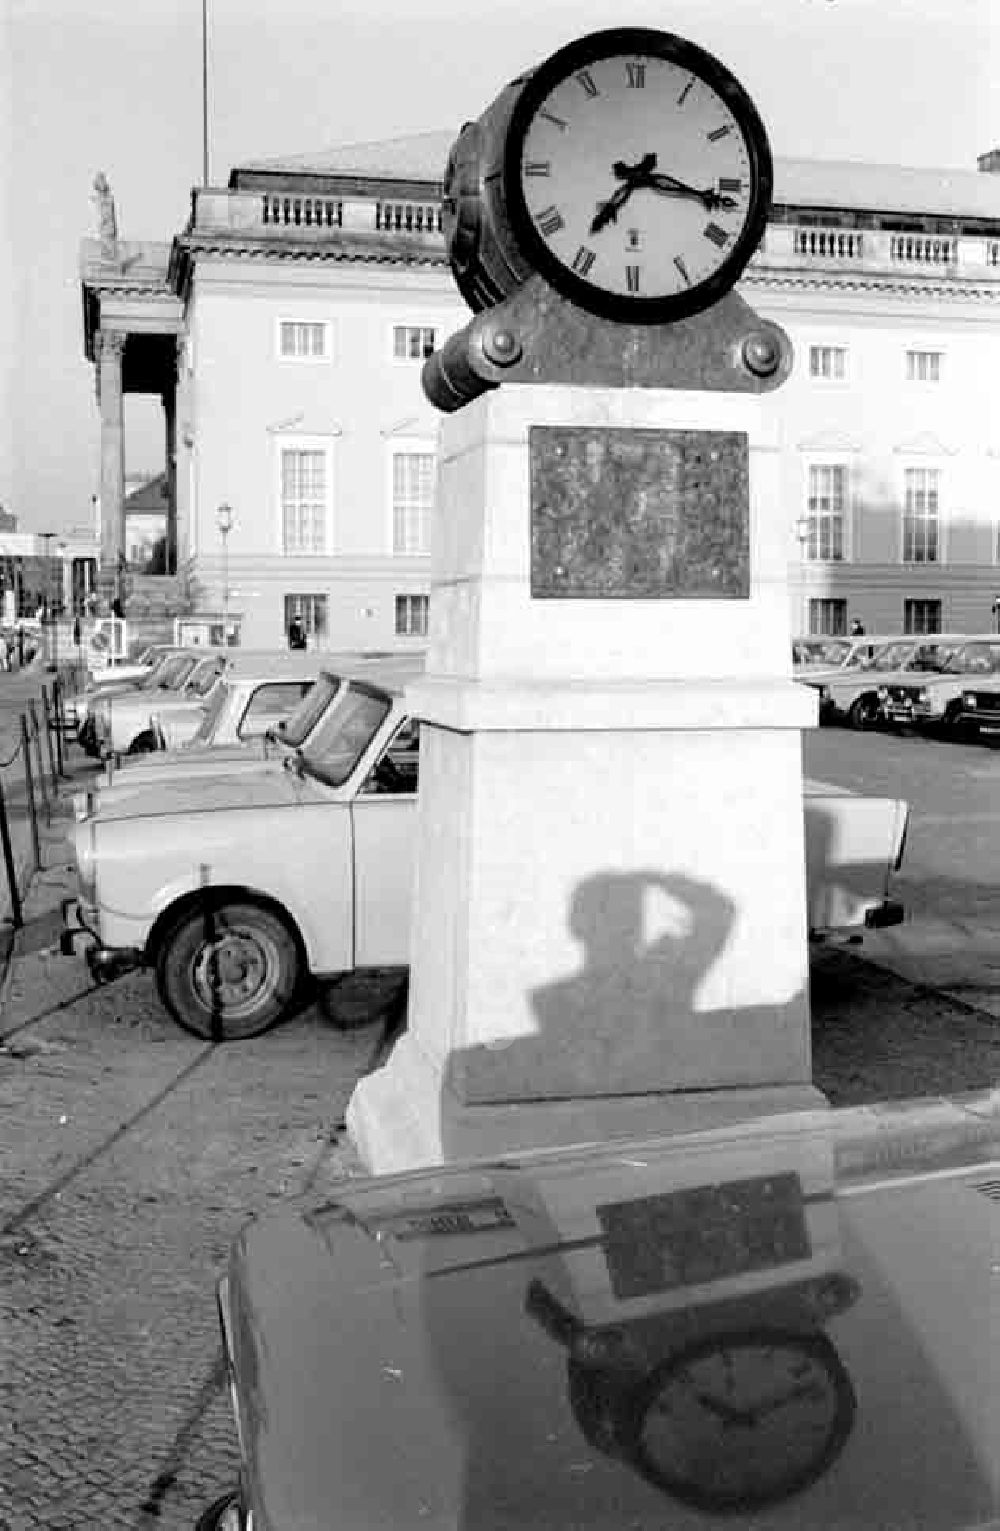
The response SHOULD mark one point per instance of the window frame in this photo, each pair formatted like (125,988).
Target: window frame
(828,462)
(410,596)
(296,358)
(910,601)
(834,347)
(409,326)
(831,602)
(914,351)
(295,443)
(412,447)
(926,466)
(311,600)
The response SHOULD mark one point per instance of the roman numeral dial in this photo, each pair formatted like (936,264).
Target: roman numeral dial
(637,174)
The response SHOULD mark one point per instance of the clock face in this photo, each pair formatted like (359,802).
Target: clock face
(746,1421)
(637,175)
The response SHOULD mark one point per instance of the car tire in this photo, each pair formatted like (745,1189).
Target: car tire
(228,970)
(863,712)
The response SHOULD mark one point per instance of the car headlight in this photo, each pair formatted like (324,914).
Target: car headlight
(923,697)
(969,700)
(883,693)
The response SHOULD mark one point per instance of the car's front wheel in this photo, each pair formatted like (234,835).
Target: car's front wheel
(863,711)
(228,970)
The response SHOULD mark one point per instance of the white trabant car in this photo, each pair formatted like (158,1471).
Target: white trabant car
(114,679)
(167,673)
(139,723)
(236,888)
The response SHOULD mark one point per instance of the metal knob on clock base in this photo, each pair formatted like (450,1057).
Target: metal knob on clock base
(537,336)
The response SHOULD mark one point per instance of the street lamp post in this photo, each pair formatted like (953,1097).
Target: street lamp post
(61,554)
(224,521)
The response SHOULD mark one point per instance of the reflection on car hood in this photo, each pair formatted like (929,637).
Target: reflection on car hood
(792,1325)
(199,792)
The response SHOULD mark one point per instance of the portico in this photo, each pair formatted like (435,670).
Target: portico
(132,322)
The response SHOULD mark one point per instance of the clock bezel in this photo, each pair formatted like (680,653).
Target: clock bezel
(537,253)
(707,1495)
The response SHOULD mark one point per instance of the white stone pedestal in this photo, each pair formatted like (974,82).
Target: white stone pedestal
(609,934)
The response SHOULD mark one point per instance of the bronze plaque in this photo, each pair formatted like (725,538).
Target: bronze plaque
(639,514)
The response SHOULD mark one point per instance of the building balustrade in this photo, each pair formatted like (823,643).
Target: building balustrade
(923,249)
(802,246)
(829,244)
(786,244)
(303,212)
(413,217)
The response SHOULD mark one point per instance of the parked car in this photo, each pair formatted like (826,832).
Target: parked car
(827,653)
(853,695)
(136,725)
(168,675)
(935,703)
(235,888)
(241,728)
(114,682)
(979,710)
(785,1323)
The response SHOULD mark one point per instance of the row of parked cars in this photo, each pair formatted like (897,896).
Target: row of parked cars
(254,828)
(946,684)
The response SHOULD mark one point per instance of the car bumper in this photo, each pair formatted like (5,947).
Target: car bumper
(80,923)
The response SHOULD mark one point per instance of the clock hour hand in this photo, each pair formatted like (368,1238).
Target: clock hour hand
(632,176)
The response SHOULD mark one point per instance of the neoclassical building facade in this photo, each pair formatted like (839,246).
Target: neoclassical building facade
(285,329)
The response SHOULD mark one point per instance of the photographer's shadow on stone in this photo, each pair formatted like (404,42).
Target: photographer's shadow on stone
(642,1012)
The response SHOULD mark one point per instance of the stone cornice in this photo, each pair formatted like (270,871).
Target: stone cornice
(962,289)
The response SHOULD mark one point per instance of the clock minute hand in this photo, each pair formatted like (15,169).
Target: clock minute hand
(670,186)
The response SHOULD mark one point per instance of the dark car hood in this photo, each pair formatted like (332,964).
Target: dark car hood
(403,1352)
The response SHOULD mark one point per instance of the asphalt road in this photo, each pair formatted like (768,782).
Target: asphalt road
(133,1153)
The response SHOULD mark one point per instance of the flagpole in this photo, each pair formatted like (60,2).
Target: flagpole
(204,90)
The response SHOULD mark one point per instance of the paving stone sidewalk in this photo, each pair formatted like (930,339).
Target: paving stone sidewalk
(133,1155)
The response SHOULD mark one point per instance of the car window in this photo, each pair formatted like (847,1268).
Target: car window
(303,719)
(396,770)
(349,725)
(269,704)
(971,659)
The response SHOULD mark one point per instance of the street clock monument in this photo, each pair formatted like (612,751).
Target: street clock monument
(609,934)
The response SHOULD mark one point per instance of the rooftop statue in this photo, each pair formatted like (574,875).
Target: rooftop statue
(107,222)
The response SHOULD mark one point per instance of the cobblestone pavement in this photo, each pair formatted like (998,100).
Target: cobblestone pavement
(133,1154)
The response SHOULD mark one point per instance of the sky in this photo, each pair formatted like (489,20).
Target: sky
(116,85)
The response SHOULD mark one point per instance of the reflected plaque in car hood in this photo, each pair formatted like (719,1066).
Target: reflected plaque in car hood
(641,1336)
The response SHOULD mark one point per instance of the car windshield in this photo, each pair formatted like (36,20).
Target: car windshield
(159,668)
(210,714)
(204,676)
(303,719)
(973,659)
(175,672)
(336,745)
(892,657)
(831,653)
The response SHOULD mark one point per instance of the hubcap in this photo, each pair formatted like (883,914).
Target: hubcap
(234,973)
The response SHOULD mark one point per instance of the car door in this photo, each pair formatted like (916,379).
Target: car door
(385,826)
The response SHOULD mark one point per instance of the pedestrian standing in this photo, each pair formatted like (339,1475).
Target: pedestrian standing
(296,633)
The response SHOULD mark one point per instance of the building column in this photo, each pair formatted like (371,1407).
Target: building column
(110,349)
(169,397)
